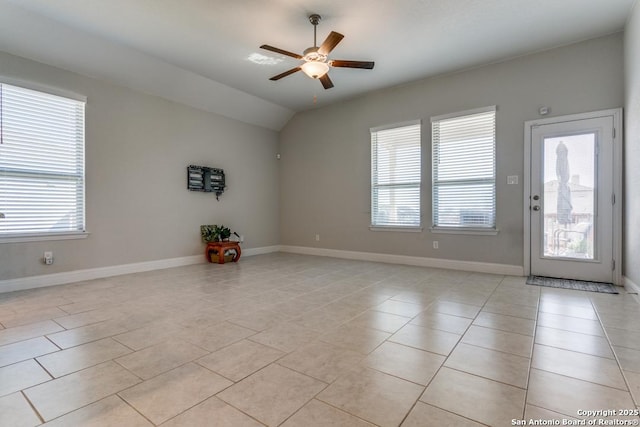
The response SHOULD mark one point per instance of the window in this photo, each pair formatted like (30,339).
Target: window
(464,170)
(395,176)
(41,164)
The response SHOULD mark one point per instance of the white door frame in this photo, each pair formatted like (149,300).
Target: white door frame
(616,114)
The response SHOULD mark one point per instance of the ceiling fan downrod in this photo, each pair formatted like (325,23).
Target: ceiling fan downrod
(315,20)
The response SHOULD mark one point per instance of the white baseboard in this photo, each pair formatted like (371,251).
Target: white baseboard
(95,273)
(44,280)
(478,267)
(260,251)
(630,286)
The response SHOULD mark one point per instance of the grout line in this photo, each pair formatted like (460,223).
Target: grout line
(533,344)
(579,379)
(32,406)
(615,355)
(501,330)
(237,409)
(49,339)
(53,378)
(129,405)
(451,351)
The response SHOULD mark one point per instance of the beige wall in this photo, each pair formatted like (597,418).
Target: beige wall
(325,166)
(321,185)
(137,151)
(632,147)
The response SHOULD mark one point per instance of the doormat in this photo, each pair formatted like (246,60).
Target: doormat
(577,285)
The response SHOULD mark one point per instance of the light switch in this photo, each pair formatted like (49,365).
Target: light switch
(512,180)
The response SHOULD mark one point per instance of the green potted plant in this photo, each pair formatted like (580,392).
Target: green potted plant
(225,233)
(217,233)
(209,233)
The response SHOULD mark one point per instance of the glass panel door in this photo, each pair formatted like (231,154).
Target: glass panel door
(571,213)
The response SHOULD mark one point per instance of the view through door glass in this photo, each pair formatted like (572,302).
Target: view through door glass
(569,197)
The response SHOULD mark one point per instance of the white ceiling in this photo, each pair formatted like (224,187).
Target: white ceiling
(197,51)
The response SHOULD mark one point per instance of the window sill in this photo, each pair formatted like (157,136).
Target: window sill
(21,238)
(400,229)
(468,231)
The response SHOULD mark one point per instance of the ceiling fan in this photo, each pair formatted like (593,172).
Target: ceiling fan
(316,59)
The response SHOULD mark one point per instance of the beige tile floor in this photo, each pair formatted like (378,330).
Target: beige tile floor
(295,340)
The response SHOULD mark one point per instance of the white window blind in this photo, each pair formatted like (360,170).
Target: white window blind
(395,176)
(464,169)
(41,163)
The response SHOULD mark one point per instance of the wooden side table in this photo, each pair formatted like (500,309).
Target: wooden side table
(221,248)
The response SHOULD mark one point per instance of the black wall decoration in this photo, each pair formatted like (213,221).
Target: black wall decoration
(208,180)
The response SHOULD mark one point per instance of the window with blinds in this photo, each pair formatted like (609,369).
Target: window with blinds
(464,169)
(41,163)
(395,175)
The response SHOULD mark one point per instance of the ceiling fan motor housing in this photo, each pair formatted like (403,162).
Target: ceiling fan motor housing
(311,54)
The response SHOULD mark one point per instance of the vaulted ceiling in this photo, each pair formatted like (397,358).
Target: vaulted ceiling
(205,53)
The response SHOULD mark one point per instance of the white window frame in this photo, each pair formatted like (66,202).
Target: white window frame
(38,235)
(375,185)
(460,228)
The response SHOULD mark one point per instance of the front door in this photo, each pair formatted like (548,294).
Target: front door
(572,197)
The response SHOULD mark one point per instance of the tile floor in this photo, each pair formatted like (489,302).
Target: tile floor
(294,340)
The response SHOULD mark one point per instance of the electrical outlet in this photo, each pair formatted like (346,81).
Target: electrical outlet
(241,238)
(512,180)
(435,244)
(48,258)
(317,237)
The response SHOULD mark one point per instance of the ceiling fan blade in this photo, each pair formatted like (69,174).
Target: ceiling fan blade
(326,81)
(280,51)
(285,74)
(330,42)
(352,64)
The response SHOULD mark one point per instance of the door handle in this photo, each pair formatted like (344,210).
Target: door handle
(536,208)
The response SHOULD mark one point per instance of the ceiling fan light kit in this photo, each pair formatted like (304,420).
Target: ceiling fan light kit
(316,59)
(315,69)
